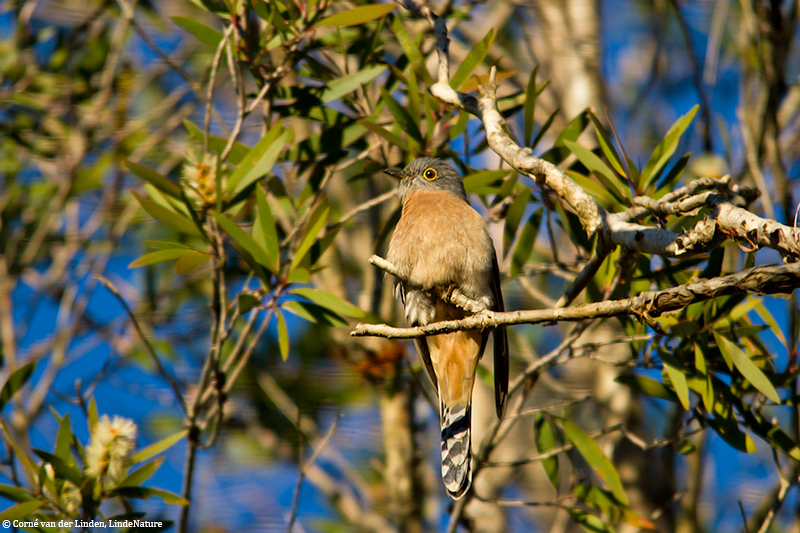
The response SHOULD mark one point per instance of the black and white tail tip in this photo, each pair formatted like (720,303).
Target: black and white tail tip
(456,450)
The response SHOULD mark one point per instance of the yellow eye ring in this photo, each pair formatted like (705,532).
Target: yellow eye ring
(429,174)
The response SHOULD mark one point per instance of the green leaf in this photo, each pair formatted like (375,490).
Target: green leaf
(600,193)
(379,130)
(647,386)
(412,91)
(589,522)
(64,440)
(571,132)
(158,447)
(93,415)
(411,50)
(247,302)
(347,84)
(315,223)
(669,182)
(530,106)
(314,313)
(264,231)
(599,169)
(544,129)
(142,474)
(678,383)
(545,441)
(606,145)
(243,239)
(15,382)
(525,242)
(478,183)
(665,149)
(61,467)
(357,15)
(158,181)
(747,367)
(190,262)
(258,161)
(15,494)
(474,58)
(769,320)
(404,119)
(685,447)
(217,144)
(21,510)
(590,451)
(159,256)
(204,34)
(329,301)
(144,493)
(170,218)
(513,218)
(283,335)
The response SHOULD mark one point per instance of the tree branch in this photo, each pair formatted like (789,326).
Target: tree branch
(758,280)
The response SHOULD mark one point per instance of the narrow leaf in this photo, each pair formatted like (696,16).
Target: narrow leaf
(665,149)
(748,368)
(329,301)
(411,50)
(159,256)
(404,119)
(20,511)
(647,386)
(144,493)
(158,447)
(283,335)
(315,223)
(477,183)
(474,58)
(606,145)
(530,107)
(158,181)
(545,441)
(347,84)
(590,451)
(64,440)
(204,34)
(190,262)
(61,467)
(599,169)
(267,233)
(93,414)
(525,242)
(142,474)
(679,384)
(258,161)
(357,15)
(247,302)
(15,382)
(172,219)
(243,239)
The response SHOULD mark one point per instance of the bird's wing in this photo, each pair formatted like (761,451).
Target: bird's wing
(411,298)
(500,344)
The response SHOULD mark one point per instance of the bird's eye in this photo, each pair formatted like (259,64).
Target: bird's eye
(429,174)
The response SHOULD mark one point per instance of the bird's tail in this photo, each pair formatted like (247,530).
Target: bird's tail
(456,449)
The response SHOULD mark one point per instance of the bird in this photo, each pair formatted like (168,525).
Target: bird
(440,241)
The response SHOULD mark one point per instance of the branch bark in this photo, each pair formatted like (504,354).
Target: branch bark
(776,280)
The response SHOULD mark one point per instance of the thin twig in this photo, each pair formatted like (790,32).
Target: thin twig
(161,370)
(304,471)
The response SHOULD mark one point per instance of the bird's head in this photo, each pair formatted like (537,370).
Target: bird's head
(428,174)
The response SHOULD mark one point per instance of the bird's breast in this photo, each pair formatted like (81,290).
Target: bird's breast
(441,240)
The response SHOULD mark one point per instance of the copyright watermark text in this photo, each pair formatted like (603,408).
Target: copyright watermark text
(82,523)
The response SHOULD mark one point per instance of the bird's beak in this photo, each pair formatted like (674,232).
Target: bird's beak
(395,173)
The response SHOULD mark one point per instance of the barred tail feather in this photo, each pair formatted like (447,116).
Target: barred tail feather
(456,449)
